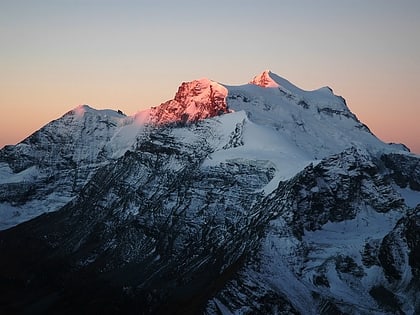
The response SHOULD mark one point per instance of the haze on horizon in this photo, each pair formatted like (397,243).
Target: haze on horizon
(131,55)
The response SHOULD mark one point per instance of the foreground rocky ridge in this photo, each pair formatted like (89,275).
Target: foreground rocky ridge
(339,239)
(287,204)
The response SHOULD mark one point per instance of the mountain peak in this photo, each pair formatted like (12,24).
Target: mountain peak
(264,79)
(80,110)
(194,100)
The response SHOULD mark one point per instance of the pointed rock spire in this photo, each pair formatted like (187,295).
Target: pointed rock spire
(195,100)
(264,80)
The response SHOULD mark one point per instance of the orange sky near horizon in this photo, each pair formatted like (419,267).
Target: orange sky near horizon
(131,55)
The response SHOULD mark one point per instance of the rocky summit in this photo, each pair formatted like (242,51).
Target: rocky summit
(261,198)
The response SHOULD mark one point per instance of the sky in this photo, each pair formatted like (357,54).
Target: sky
(131,55)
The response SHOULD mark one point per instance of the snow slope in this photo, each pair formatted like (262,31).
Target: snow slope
(318,122)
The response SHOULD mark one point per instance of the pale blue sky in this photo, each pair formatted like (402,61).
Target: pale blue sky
(133,54)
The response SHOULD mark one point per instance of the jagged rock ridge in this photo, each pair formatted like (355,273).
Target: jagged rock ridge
(194,101)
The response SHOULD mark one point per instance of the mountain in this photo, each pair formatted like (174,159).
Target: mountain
(254,199)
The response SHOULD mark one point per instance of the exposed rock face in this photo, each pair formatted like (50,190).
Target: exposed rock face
(258,199)
(194,101)
(405,169)
(314,249)
(321,194)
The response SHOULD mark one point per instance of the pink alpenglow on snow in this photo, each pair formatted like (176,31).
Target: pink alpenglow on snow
(194,101)
(79,111)
(264,80)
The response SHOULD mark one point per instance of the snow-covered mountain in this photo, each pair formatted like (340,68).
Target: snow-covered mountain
(260,198)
